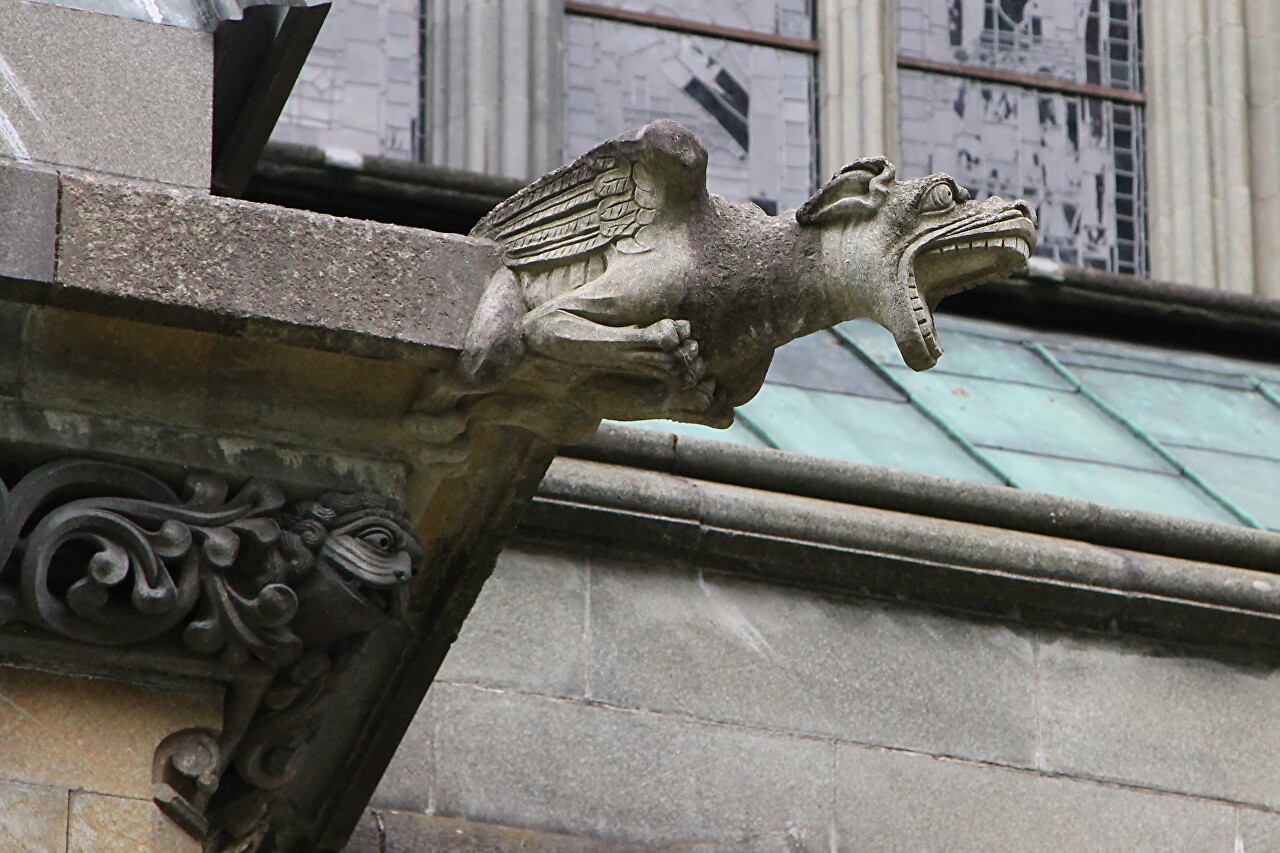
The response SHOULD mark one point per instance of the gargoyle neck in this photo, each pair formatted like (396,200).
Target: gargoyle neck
(813,294)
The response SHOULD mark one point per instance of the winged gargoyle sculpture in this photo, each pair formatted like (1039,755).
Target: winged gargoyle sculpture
(629,292)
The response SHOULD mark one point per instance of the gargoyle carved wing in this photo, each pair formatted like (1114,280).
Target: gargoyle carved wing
(608,196)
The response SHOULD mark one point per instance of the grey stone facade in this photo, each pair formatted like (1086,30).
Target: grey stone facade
(642,702)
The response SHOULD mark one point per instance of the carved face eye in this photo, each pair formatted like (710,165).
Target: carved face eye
(938,199)
(378,537)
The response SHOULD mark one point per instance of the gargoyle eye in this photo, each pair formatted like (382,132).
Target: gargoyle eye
(377,537)
(938,199)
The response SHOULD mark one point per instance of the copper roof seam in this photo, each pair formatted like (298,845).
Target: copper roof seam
(1145,437)
(970,449)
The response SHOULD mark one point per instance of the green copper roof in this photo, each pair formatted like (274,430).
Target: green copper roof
(1126,425)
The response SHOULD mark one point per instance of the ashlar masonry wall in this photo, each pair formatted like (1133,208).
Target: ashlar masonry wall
(597,702)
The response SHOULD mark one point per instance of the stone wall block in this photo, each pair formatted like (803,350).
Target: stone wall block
(1259,831)
(892,801)
(28,223)
(101,824)
(1150,716)
(91,733)
(407,783)
(740,651)
(32,818)
(562,766)
(142,107)
(527,628)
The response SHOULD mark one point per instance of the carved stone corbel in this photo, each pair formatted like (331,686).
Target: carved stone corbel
(281,593)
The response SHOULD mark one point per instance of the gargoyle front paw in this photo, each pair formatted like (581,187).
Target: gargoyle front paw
(674,338)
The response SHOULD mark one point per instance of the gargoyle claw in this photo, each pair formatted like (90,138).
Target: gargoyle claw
(670,334)
(674,337)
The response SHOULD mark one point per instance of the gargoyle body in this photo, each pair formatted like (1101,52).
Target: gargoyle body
(631,293)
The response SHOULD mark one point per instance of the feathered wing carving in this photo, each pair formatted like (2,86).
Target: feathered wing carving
(607,197)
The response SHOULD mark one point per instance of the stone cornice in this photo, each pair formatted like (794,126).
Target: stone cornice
(185,259)
(932,497)
(846,548)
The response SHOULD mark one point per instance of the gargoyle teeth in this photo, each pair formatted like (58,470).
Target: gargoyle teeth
(1018,244)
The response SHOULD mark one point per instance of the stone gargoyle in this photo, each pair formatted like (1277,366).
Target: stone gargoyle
(629,292)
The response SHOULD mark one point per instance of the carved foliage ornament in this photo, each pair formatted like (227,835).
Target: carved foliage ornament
(107,555)
(629,292)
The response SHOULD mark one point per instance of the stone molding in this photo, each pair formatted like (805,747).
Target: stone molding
(1214,165)
(279,592)
(858,67)
(833,544)
(499,118)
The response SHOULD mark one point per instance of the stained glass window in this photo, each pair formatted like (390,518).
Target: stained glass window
(751,104)
(1070,142)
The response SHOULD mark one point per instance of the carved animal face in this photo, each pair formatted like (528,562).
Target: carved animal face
(903,246)
(364,538)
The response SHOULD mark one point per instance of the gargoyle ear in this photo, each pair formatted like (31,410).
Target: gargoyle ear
(855,192)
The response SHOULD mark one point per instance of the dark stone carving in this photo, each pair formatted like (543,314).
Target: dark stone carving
(104,554)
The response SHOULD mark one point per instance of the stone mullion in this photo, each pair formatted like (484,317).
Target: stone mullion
(495,102)
(1262,41)
(1214,164)
(857,80)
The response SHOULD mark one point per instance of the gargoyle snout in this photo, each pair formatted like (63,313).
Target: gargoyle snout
(1026,210)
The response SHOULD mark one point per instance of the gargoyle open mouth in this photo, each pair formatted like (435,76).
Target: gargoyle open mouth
(949,260)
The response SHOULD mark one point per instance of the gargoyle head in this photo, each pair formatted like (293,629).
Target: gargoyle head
(903,246)
(367,539)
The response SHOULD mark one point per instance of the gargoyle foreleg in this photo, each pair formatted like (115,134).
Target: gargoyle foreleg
(663,349)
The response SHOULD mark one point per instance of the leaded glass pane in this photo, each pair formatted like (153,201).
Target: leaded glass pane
(1084,41)
(359,87)
(1077,160)
(791,18)
(750,105)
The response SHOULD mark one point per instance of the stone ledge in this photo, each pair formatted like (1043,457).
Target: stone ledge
(932,497)
(178,257)
(850,549)
(187,258)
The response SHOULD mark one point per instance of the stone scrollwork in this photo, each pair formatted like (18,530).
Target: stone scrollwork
(104,554)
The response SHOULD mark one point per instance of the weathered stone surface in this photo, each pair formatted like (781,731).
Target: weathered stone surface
(32,818)
(892,801)
(218,261)
(93,734)
(28,220)
(528,627)
(397,832)
(1259,831)
(142,107)
(104,824)
(71,432)
(407,783)
(561,766)
(740,651)
(1152,716)
(13,322)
